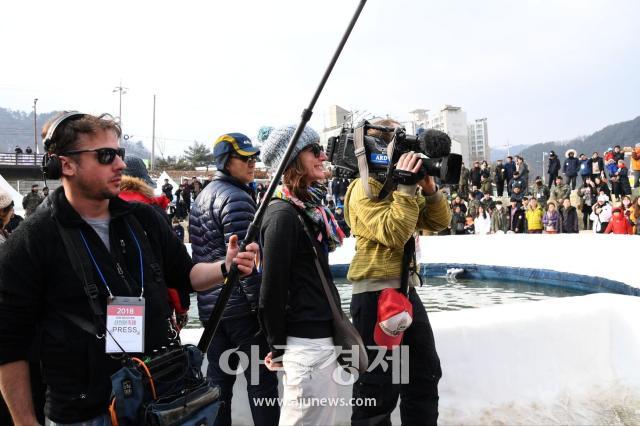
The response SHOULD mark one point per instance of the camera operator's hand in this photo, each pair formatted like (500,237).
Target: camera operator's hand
(407,168)
(428,185)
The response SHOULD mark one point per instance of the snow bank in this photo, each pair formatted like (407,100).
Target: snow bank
(561,361)
(567,360)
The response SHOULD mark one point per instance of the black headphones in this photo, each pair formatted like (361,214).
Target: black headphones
(51,165)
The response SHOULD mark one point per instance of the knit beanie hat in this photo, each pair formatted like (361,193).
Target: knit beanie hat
(5,199)
(275,146)
(137,168)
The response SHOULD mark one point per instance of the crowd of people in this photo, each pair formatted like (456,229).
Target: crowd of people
(599,202)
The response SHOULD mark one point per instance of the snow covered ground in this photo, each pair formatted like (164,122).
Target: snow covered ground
(562,361)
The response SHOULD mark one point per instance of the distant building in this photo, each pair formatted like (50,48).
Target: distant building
(478,141)
(336,117)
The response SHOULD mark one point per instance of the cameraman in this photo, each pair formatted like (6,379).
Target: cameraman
(382,228)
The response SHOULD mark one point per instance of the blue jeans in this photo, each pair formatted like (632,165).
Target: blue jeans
(240,334)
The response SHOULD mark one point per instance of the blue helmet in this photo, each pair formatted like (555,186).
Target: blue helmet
(232,143)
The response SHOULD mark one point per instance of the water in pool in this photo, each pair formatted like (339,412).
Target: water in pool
(440,294)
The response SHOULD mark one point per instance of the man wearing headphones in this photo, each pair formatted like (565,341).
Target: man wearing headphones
(134,257)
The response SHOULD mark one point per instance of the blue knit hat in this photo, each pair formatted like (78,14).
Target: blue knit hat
(276,144)
(232,143)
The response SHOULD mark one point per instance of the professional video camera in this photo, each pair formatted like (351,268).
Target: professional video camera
(433,145)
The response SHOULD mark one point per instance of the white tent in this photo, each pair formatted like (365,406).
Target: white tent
(15,195)
(160,182)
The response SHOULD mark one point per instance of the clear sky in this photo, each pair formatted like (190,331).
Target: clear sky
(537,69)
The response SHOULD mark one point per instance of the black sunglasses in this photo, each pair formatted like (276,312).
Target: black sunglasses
(316,148)
(250,159)
(105,155)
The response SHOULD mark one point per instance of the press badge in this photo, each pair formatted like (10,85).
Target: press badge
(125,324)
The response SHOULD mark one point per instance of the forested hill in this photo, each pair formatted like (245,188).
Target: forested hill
(626,133)
(16,128)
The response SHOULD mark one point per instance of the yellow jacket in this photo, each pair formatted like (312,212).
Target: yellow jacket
(383,227)
(534,218)
(635,162)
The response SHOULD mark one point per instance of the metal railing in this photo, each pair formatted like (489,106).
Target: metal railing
(20,160)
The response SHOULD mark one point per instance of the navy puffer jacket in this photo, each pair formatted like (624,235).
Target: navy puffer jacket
(223,208)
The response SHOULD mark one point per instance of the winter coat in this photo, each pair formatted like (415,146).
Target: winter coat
(534,218)
(623,180)
(611,169)
(604,216)
(457,223)
(561,192)
(464,177)
(552,221)
(569,220)
(473,207)
(596,165)
(486,186)
(499,174)
(588,195)
(541,194)
(523,168)
(475,175)
(619,224)
(224,208)
(554,165)
(482,225)
(167,189)
(463,207)
(383,227)
(31,201)
(585,167)
(499,222)
(135,190)
(509,168)
(571,166)
(517,220)
(635,160)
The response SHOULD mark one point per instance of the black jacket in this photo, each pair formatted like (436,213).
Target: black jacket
(224,208)
(37,283)
(475,175)
(569,220)
(554,165)
(518,222)
(292,299)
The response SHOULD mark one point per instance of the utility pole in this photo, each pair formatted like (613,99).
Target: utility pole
(122,91)
(35,127)
(153,136)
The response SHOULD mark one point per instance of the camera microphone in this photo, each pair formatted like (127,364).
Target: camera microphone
(435,143)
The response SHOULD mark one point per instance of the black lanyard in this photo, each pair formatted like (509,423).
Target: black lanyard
(102,278)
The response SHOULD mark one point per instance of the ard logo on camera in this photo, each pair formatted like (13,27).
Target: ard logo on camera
(379,159)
